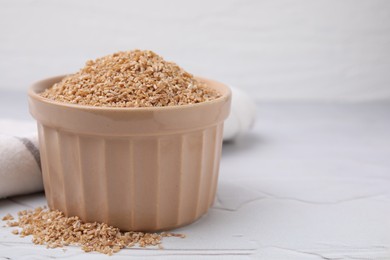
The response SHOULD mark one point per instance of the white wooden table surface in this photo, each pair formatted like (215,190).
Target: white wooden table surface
(311,181)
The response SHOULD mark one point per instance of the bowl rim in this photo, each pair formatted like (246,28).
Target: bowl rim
(32,93)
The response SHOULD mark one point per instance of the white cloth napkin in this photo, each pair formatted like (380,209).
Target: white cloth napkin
(20,169)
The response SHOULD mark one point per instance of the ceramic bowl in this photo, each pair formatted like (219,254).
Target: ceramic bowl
(138,169)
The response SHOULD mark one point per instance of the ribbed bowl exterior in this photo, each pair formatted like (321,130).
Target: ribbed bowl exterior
(138,183)
(134,180)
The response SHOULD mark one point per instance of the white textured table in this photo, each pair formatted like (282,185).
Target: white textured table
(312,181)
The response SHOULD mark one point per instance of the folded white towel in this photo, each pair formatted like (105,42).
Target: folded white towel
(20,169)
(242,115)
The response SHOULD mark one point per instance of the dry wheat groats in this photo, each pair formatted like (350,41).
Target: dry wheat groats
(131,79)
(53,229)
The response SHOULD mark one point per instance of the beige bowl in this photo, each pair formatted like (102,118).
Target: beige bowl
(141,169)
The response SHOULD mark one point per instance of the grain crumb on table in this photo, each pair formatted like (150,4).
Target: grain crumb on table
(8,217)
(53,229)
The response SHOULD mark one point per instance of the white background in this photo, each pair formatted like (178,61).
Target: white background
(276,50)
